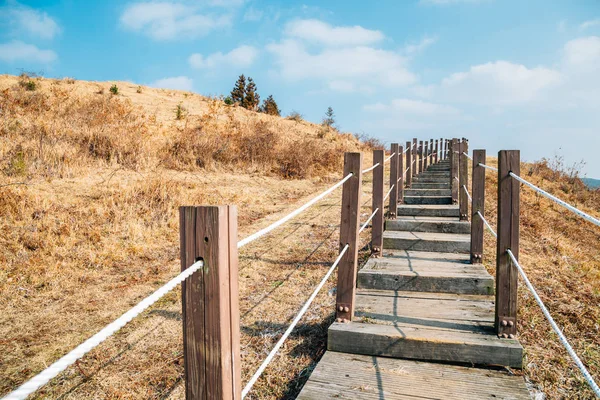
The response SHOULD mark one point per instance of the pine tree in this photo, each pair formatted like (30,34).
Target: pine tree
(269,106)
(238,94)
(252,99)
(329,119)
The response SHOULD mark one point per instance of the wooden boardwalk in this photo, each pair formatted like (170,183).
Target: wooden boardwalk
(423,326)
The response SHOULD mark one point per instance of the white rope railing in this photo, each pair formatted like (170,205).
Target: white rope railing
(406,170)
(364,171)
(362,228)
(291,215)
(555,327)
(487,225)
(569,207)
(468,156)
(289,330)
(390,157)
(65,361)
(388,193)
(467,192)
(487,167)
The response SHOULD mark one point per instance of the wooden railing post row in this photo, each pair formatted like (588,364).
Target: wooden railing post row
(409,164)
(463,180)
(349,226)
(210,305)
(478,204)
(400,182)
(377,203)
(508,238)
(452,149)
(393,181)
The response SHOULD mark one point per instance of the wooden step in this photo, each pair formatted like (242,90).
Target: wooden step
(351,376)
(428,224)
(441,327)
(427,199)
(432,179)
(428,192)
(425,272)
(425,210)
(429,185)
(444,174)
(427,241)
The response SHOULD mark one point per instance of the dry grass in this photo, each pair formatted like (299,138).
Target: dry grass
(560,254)
(89,190)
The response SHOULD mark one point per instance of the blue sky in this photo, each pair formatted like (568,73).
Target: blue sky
(506,74)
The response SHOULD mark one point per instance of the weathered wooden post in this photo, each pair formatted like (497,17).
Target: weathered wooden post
(377,203)
(349,226)
(452,152)
(420,156)
(210,309)
(415,156)
(400,175)
(478,204)
(430,151)
(409,164)
(463,180)
(435,157)
(425,156)
(394,181)
(508,238)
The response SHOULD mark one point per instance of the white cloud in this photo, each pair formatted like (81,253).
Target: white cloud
(364,64)
(176,82)
(19,51)
(414,107)
(583,52)
(253,15)
(416,48)
(500,82)
(25,20)
(589,24)
(319,32)
(242,56)
(167,21)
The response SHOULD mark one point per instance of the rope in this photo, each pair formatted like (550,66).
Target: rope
(456,178)
(467,192)
(406,170)
(555,327)
(487,225)
(390,157)
(274,225)
(364,171)
(53,370)
(557,200)
(468,156)
(289,330)
(487,166)
(362,228)
(405,150)
(388,193)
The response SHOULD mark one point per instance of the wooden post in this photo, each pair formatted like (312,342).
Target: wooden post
(377,203)
(409,164)
(463,180)
(394,181)
(210,308)
(478,204)
(508,238)
(430,151)
(435,157)
(415,163)
(446,148)
(420,156)
(400,183)
(349,225)
(425,156)
(452,149)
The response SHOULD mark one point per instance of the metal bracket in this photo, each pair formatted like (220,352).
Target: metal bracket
(506,327)
(343,312)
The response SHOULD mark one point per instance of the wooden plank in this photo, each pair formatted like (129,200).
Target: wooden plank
(350,376)
(377,203)
(409,164)
(508,238)
(420,156)
(210,303)
(400,175)
(431,151)
(437,144)
(349,225)
(478,204)
(453,149)
(425,155)
(393,181)
(463,180)
(415,155)
(427,241)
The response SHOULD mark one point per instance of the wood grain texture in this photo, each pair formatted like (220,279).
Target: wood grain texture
(415,155)
(420,156)
(393,199)
(425,155)
(478,204)
(454,169)
(508,238)
(349,225)
(409,164)
(377,203)
(436,155)
(463,180)
(431,151)
(400,175)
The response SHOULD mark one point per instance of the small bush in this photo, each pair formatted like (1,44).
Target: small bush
(295,116)
(228,100)
(68,80)
(114,89)
(180,112)
(139,89)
